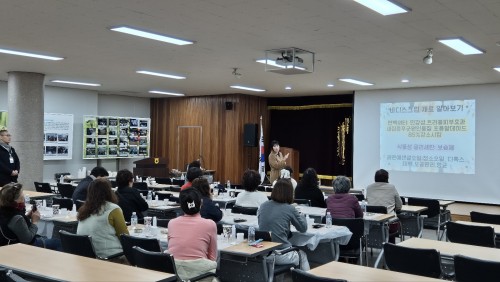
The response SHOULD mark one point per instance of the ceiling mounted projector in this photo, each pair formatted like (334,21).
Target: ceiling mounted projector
(289,60)
(428,58)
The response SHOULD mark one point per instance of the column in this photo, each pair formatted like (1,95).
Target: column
(25,122)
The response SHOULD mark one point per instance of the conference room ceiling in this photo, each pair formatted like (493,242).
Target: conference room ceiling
(349,40)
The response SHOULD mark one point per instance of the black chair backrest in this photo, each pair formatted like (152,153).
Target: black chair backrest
(42,187)
(403,200)
(484,217)
(140,185)
(162,222)
(66,190)
(376,209)
(423,262)
(469,234)
(471,269)
(175,189)
(128,242)
(178,182)
(80,245)
(113,183)
(261,188)
(303,276)
(432,205)
(303,202)
(63,203)
(162,196)
(360,197)
(356,226)
(78,204)
(264,235)
(244,210)
(158,261)
(163,180)
(57,176)
(7,275)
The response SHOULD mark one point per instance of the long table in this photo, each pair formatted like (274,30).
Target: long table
(351,272)
(51,265)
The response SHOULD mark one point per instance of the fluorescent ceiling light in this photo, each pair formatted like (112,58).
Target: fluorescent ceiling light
(33,55)
(274,64)
(405,80)
(150,35)
(161,74)
(497,69)
(247,88)
(76,82)
(384,7)
(460,45)
(354,81)
(288,88)
(165,93)
(330,85)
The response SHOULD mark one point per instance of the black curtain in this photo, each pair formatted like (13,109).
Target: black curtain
(309,125)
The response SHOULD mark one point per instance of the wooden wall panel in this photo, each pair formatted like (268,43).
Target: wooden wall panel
(222,139)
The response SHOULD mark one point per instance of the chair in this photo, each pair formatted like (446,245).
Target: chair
(81,245)
(264,235)
(66,190)
(261,188)
(140,185)
(484,217)
(78,204)
(175,189)
(42,187)
(471,269)
(244,210)
(63,203)
(376,209)
(304,276)
(423,262)
(178,182)
(7,275)
(435,217)
(360,197)
(302,202)
(162,196)
(162,222)
(160,261)
(163,180)
(128,242)
(354,248)
(470,234)
(403,200)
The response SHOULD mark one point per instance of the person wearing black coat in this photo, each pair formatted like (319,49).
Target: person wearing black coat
(129,198)
(208,209)
(308,188)
(9,161)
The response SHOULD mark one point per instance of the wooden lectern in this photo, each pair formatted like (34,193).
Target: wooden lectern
(292,161)
(156,167)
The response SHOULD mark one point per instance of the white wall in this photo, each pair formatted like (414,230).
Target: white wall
(79,103)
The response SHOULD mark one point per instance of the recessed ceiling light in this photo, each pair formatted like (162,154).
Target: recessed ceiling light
(165,93)
(161,74)
(460,45)
(288,88)
(247,88)
(274,64)
(497,69)
(384,7)
(354,81)
(330,85)
(76,82)
(151,35)
(405,80)
(33,55)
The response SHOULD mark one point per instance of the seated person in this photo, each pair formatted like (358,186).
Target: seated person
(192,174)
(81,190)
(129,199)
(342,204)
(381,193)
(286,173)
(17,226)
(308,188)
(250,197)
(276,216)
(208,209)
(192,240)
(101,218)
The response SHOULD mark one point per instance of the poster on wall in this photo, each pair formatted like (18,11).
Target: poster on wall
(106,137)
(58,136)
(3,119)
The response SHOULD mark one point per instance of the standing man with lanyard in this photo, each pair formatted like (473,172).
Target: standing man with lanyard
(9,162)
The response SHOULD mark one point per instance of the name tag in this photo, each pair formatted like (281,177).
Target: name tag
(11,160)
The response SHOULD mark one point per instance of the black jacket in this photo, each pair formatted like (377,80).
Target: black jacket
(130,200)
(6,167)
(81,190)
(311,193)
(210,211)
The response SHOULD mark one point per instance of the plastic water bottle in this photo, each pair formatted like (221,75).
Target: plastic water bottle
(251,234)
(73,210)
(363,206)
(133,220)
(328,220)
(233,233)
(228,185)
(27,198)
(149,197)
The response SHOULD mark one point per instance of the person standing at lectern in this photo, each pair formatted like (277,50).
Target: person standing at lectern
(9,162)
(276,161)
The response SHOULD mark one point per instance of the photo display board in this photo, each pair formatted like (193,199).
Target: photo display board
(58,137)
(107,137)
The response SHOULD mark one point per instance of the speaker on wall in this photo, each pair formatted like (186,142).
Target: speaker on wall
(229,106)
(250,135)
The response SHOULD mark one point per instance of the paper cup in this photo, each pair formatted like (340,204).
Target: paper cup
(55,209)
